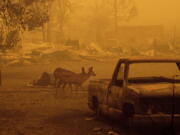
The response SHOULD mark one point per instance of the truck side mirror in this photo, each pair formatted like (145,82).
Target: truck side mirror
(178,64)
(109,87)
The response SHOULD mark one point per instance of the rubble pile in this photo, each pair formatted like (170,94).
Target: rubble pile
(46,52)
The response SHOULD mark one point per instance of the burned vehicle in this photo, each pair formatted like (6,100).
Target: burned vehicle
(139,88)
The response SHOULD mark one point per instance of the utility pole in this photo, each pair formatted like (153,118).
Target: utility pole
(174,36)
(0,78)
(97,23)
(116,17)
(116,21)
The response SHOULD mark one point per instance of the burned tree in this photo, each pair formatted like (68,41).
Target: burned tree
(38,15)
(11,15)
(59,16)
(18,16)
(107,16)
(124,10)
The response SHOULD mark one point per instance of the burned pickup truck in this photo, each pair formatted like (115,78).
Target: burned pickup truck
(139,87)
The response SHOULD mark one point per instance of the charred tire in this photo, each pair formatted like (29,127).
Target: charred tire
(127,115)
(95,105)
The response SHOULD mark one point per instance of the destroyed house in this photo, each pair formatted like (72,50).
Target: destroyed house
(136,35)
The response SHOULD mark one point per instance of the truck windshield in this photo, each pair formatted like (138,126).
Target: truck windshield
(153,71)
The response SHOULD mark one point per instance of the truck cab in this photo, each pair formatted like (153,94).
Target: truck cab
(139,87)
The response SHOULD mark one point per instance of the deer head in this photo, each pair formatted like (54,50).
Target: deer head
(91,72)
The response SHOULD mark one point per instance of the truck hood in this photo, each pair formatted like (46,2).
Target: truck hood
(159,89)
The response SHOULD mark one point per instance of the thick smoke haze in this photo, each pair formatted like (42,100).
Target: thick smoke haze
(64,63)
(164,12)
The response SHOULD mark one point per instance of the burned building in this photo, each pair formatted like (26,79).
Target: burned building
(135,35)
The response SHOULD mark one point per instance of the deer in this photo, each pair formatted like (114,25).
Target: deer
(65,77)
(58,73)
(80,79)
(61,73)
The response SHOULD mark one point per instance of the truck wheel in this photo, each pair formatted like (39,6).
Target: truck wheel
(95,104)
(128,114)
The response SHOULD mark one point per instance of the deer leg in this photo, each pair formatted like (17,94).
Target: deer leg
(77,87)
(80,87)
(58,85)
(71,87)
(56,94)
(63,87)
(57,82)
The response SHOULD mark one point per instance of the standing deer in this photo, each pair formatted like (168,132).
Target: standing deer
(65,77)
(79,79)
(61,73)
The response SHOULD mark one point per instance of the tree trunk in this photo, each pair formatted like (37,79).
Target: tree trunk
(48,35)
(115,17)
(44,32)
(60,34)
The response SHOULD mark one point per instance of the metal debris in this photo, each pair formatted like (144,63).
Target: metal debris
(113,133)
(97,129)
(89,118)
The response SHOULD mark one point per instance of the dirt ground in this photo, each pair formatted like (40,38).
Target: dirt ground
(39,111)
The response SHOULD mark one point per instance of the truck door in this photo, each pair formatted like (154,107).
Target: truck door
(116,88)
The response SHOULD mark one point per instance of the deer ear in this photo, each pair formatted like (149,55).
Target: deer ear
(91,68)
(83,69)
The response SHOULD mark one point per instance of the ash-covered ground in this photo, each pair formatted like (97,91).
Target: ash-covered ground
(26,110)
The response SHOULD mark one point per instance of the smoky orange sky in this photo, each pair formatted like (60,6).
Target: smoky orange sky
(166,12)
